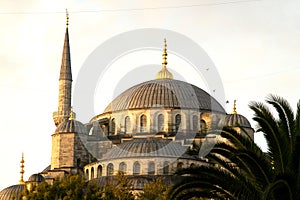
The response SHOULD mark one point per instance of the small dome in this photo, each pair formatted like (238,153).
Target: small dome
(233,120)
(71,126)
(12,192)
(146,147)
(36,178)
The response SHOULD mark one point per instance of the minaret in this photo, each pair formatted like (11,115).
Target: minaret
(164,72)
(21,181)
(65,82)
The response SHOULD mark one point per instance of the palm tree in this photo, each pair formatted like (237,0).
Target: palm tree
(241,170)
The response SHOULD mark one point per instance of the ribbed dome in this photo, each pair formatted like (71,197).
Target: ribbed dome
(166,93)
(36,178)
(71,126)
(12,192)
(235,120)
(146,147)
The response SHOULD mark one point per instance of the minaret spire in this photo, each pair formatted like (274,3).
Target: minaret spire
(21,181)
(164,72)
(65,81)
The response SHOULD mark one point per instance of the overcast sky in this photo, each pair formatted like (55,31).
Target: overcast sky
(253,44)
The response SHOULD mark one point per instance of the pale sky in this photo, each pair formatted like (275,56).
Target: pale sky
(253,44)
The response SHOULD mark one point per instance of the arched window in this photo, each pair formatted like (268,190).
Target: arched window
(110,169)
(195,123)
(99,171)
(143,123)
(136,168)
(127,124)
(123,167)
(180,165)
(92,173)
(166,168)
(192,165)
(87,174)
(151,168)
(113,126)
(160,122)
(203,126)
(177,122)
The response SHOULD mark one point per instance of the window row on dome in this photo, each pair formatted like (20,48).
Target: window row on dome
(152,167)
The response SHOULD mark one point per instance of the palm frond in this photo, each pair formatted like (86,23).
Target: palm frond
(297,121)
(268,125)
(218,180)
(285,113)
(279,189)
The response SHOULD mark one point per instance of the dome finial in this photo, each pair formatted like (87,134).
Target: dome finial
(67,18)
(164,72)
(234,107)
(72,114)
(21,181)
(165,54)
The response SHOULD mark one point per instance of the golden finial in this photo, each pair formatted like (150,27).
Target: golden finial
(234,107)
(21,181)
(165,54)
(67,18)
(164,72)
(72,114)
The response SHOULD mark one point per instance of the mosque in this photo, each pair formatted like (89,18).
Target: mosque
(145,132)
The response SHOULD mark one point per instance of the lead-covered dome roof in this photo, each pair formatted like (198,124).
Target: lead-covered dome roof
(166,93)
(146,147)
(233,120)
(71,126)
(12,192)
(36,178)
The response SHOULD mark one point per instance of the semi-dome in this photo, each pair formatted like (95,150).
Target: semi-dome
(36,178)
(146,147)
(166,93)
(12,192)
(233,120)
(71,126)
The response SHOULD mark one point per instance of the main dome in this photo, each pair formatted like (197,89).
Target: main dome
(166,93)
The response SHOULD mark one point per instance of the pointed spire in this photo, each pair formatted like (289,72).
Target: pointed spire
(164,72)
(65,70)
(21,181)
(65,82)
(234,107)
